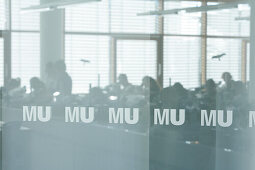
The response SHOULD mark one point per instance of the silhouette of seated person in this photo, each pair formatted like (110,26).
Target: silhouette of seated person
(96,97)
(125,87)
(14,88)
(180,94)
(130,95)
(50,72)
(166,96)
(12,91)
(240,94)
(209,93)
(63,82)
(151,90)
(228,80)
(225,93)
(240,104)
(172,96)
(38,94)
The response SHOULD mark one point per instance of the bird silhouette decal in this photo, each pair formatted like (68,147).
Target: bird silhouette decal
(85,61)
(219,56)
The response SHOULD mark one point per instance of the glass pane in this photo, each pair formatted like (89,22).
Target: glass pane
(25,57)
(182,61)
(87,60)
(225,22)
(3,11)
(93,17)
(230,49)
(136,59)
(124,16)
(94,86)
(24,21)
(188,24)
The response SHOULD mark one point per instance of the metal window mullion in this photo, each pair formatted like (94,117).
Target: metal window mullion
(204,45)
(160,46)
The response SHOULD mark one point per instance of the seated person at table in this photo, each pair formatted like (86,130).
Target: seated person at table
(39,94)
(151,89)
(173,96)
(228,81)
(14,88)
(225,93)
(208,97)
(50,76)
(63,80)
(125,86)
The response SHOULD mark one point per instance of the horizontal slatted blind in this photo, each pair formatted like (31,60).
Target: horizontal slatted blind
(245,24)
(2,15)
(25,42)
(118,16)
(95,49)
(89,17)
(182,23)
(223,22)
(182,61)
(25,56)
(124,16)
(229,63)
(93,18)
(136,58)
(1,62)
(24,21)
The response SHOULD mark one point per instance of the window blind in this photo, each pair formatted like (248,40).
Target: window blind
(116,16)
(94,49)
(182,61)
(25,56)
(223,22)
(231,62)
(124,16)
(136,58)
(24,21)
(2,15)
(89,17)
(182,23)
(25,43)
(93,18)
(245,24)
(1,62)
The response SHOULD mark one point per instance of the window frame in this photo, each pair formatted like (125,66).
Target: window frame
(159,36)
(6,35)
